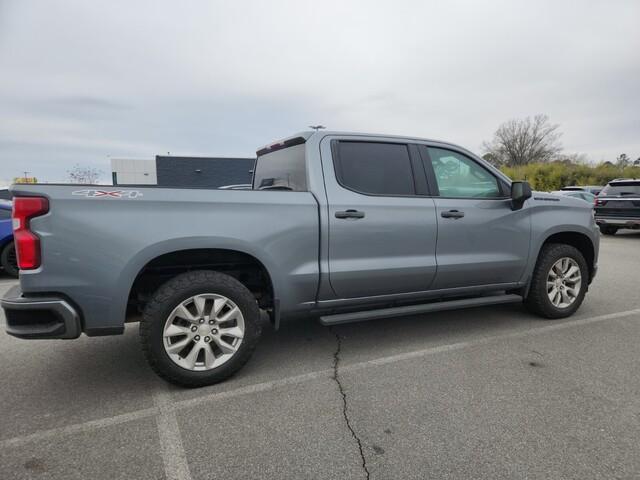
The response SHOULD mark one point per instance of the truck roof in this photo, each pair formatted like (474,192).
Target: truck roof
(302,137)
(624,180)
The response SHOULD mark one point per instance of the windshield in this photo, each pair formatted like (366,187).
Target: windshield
(281,170)
(621,189)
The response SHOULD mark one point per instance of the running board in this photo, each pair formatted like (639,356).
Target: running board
(415,309)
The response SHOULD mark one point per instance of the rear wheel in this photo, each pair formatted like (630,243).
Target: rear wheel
(608,230)
(200,328)
(559,281)
(9,260)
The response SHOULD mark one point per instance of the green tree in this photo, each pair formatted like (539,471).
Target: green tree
(555,175)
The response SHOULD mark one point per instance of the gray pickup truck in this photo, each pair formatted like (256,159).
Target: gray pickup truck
(339,226)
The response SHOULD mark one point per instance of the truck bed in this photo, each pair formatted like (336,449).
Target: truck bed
(95,240)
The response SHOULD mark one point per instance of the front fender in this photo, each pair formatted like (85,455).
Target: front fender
(547,221)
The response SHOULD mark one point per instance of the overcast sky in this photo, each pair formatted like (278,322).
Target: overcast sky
(82,81)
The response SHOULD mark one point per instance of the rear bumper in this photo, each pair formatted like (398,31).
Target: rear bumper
(621,222)
(40,317)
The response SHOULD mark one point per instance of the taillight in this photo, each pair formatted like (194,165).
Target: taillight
(27,243)
(599,202)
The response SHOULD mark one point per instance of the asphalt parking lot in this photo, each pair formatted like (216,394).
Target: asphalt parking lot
(489,392)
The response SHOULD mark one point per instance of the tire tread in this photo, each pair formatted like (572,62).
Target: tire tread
(537,300)
(158,303)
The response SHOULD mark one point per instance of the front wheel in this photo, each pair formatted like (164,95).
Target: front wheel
(9,260)
(200,328)
(559,281)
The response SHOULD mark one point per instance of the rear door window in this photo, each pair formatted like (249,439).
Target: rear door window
(374,168)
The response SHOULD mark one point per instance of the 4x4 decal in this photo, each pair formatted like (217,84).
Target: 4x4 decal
(109,193)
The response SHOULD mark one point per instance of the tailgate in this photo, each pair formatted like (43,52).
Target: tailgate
(618,207)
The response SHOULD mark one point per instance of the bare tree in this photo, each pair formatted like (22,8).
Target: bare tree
(523,141)
(83,174)
(574,158)
(623,160)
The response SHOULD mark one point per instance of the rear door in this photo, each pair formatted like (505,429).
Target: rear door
(481,241)
(382,225)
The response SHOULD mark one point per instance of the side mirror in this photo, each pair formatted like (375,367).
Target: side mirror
(520,191)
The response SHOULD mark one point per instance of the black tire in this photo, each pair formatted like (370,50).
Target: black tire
(8,260)
(607,230)
(537,299)
(168,297)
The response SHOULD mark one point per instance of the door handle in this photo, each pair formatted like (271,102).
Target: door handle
(452,214)
(350,214)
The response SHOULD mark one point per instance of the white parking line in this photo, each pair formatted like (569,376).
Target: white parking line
(255,388)
(170,435)
(78,427)
(174,458)
(482,341)
(261,387)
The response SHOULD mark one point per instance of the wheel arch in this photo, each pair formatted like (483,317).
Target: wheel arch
(5,245)
(152,268)
(5,241)
(579,240)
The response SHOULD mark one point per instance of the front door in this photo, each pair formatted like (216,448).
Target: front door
(481,240)
(382,224)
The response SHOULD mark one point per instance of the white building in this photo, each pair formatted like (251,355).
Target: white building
(133,171)
(175,171)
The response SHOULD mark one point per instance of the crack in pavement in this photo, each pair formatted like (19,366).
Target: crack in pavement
(336,378)
(252,389)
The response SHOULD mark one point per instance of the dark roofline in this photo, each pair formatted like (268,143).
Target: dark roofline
(203,157)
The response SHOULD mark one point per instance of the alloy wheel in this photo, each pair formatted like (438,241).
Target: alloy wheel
(564,282)
(203,332)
